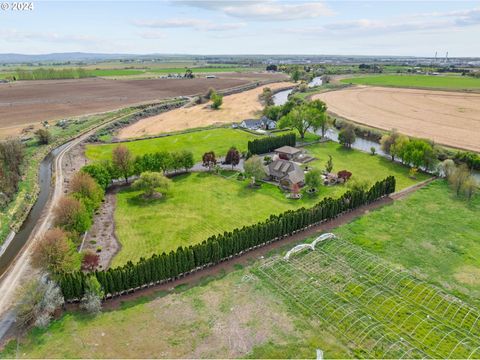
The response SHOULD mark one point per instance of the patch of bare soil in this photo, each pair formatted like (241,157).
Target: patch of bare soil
(236,107)
(448,118)
(26,103)
(101,236)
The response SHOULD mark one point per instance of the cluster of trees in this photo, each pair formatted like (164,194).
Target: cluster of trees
(124,164)
(12,154)
(268,144)
(414,152)
(311,115)
(272,67)
(51,74)
(164,267)
(276,112)
(460,179)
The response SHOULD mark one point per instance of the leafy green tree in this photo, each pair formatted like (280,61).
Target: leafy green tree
(323,122)
(398,148)
(347,137)
(295,74)
(254,168)
(151,183)
(92,302)
(123,161)
(302,118)
(313,179)
(217,100)
(100,173)
(186,159)
(387,141)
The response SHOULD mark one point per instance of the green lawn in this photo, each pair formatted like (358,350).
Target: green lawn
(115,72)
(418,81)
(219,140)
(430,231)
(198,205)
(201,205)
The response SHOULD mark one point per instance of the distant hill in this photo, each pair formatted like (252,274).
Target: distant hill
(62,57)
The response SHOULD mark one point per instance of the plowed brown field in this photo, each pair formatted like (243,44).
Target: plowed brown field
(235,108)
(26,103)
(448,118)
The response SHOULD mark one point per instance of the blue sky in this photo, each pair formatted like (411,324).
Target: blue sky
(245,27)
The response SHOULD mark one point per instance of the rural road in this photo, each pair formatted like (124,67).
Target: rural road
(20,269)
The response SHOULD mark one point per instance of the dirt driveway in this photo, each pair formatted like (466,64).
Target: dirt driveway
(448,118)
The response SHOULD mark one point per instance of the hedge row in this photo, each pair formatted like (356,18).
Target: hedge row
(165,267)
(268,144)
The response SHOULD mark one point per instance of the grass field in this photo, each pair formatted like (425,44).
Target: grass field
(430,232)
(201,205)
(418,81)
(219,140)
(352,297)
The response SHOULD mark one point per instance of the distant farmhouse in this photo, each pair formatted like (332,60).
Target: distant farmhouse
(263,123)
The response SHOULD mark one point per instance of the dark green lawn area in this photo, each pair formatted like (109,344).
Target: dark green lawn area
(418,81)
(431,232)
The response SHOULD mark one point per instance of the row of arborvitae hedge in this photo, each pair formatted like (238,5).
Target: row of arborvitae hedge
(268,144)
(165,267)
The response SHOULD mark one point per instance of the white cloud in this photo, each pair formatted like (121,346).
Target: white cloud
(417,23)
(197,24)
(266,10)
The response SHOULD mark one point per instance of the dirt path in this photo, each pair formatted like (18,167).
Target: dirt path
(448,118)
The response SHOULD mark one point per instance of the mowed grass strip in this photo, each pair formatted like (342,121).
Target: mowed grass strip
(199,142)
(200,205)
(418,81)
(430,231)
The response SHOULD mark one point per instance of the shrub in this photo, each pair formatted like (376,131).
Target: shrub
(43,136)
(90,260)
(70,214)
(84,188)
(150,182)
(217,101)
(56,253)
